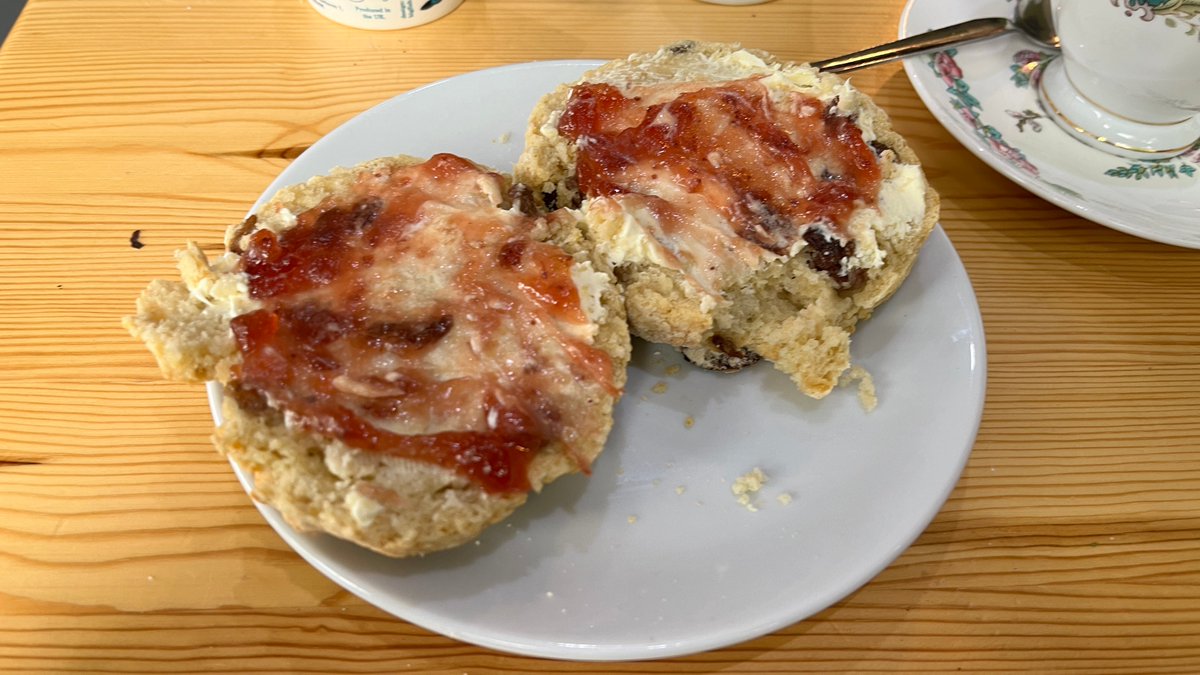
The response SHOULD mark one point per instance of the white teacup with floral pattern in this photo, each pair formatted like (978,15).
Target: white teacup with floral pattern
(1128,81)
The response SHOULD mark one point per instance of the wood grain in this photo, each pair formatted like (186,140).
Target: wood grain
(1071,543)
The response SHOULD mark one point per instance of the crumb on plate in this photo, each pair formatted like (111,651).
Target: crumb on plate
(866,386)
(746,485)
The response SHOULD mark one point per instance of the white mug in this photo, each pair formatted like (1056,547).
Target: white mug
(384,14)
(1128,81)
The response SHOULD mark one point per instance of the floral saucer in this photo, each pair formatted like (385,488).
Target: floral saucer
(985,94)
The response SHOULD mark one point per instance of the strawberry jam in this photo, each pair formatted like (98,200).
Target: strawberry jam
(414,317)
(770,169)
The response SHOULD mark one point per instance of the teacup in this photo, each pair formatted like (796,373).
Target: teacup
(1128,81)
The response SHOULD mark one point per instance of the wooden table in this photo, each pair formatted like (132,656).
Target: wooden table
(1072,541)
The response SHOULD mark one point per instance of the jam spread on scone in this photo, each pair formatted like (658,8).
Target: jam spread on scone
(416,316)
(724,176)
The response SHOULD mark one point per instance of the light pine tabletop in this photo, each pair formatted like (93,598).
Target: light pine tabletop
(1070,544)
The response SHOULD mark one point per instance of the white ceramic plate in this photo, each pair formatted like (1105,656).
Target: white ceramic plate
(652,556)
(982,93)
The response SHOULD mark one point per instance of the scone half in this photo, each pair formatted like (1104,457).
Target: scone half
(405,354)
(747,206)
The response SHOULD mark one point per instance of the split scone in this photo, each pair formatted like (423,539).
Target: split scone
(405,354)
(747,207)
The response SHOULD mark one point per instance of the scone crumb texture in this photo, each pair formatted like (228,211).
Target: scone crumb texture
(866,386)
(747,485)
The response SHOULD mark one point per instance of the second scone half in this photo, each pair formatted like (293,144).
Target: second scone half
(747,206)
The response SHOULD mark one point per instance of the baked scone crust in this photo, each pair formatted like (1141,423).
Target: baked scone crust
(785,310)
(396,506)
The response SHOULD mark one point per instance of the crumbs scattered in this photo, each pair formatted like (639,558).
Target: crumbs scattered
(672,369)
(659,387)
(549,594)
(632,519)
(135,239)
(746,485)
(689,422)
(784,498)
(503,138)
(866,386)
(679,489)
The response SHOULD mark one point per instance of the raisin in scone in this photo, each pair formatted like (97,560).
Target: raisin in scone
(405,354)
(747,207)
